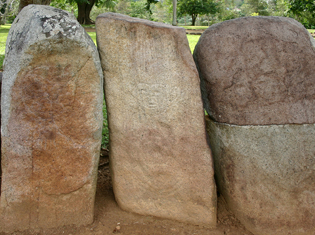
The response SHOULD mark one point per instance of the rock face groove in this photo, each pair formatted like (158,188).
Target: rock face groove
(258,71)
(160,161)
(257,77)
(51,122)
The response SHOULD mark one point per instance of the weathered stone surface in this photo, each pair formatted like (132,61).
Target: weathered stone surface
(258,70)
(266,174)
(51,122)
(160,161)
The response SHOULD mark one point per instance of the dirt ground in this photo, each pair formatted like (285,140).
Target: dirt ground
(194,31)
(110,219)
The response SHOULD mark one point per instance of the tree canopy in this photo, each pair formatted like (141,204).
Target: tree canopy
(84,7)
(303,11)
(201,12)
(300,6)
(259,7)
(197,7)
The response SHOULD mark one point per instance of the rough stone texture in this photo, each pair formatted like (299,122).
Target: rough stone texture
(160,161)
(257,71)
(266,174)
(51,122)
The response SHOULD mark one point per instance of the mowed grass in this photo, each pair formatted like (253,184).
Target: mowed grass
(192,39)
(195,27)
(4,30)
(93,36)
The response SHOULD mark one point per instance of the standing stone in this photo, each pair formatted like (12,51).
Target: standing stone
(258,86)
(160,160)
(258,71)
(51,122)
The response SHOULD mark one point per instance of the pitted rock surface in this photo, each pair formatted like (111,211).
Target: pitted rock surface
(257,71)
(51,122)
(160,161)
(266,175)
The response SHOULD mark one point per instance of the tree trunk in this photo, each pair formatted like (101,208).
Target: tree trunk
(84,10)
(193,19)
(24,3)
(174,12)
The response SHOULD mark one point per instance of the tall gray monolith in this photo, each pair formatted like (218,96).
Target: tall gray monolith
(160,160)
(258,85)
(51,122)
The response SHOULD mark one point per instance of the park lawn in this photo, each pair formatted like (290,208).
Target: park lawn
(192,40)
(195,27)
(88,26)
(93,36)
(4,30)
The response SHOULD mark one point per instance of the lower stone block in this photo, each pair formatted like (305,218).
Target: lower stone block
(266,174)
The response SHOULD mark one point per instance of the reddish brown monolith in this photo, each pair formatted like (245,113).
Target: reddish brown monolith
(51,122)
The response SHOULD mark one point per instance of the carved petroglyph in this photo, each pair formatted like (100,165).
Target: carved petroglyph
(152,95)
(157,97)
(160,159)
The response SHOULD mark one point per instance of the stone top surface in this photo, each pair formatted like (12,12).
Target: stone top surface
(44,28)
(257,71)
(46,22)
(116,16)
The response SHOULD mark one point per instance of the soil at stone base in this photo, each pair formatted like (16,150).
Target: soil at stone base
(108,216)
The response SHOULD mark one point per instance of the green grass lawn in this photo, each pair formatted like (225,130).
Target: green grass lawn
(93,36)
(195,27)
(4,30)
(192,39)
(311,30)
(88,25)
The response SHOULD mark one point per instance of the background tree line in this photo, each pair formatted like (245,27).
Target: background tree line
(189,12)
